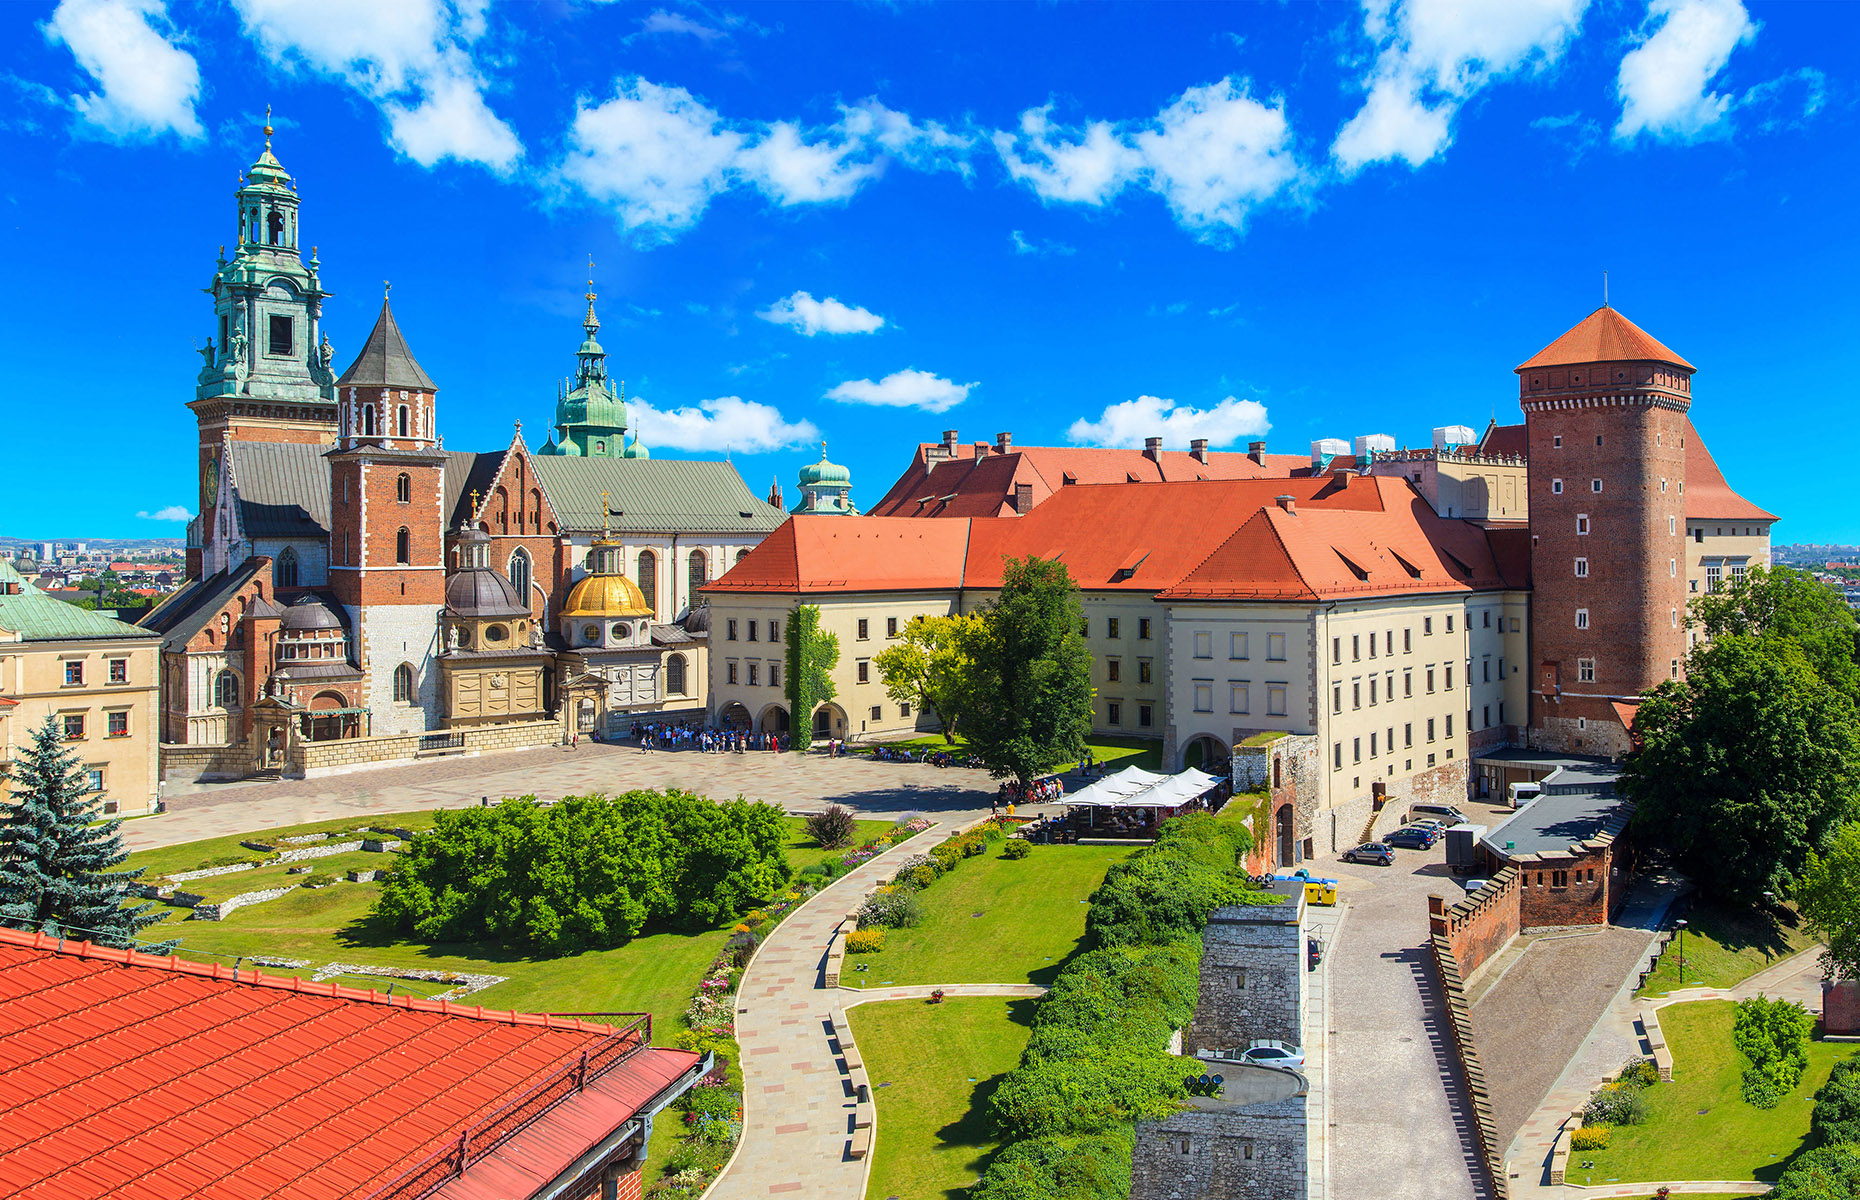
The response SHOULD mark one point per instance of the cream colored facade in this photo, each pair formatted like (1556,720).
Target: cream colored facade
(103,691)
(1718,553)
(1464,484)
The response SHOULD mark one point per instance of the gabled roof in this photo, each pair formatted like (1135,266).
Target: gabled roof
(37,617)
(282,488)
(1500,441)
(124,1074)
(385,360)
(1708,496)
(1603,336)
(188,611)
(652,495)
(468,472)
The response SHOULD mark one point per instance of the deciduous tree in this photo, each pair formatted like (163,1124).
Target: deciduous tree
(929,666)
(1781,603)
(1026,702)
(1829,898)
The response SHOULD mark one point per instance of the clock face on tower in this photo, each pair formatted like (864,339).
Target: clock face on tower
(210,484)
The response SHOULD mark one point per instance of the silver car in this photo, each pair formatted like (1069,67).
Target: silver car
(1269,1053)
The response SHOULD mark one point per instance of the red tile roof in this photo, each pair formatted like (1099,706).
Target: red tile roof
(127,1075)
(1501,440)
(1708,496)
(1603,336)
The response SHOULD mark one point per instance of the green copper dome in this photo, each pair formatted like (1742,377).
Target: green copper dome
(590,414)
(824,472)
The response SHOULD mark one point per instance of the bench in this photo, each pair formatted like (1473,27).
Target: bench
(861,1085)
(862,1116)
(850,1053)
(861,1144)
(1559,1157)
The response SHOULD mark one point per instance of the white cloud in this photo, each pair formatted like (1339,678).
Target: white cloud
(904,389)
(174,512)
(1664,82)
(1213,154)
(411,58)
(1432,56)
(810,316)
(660,21)
(725,423)
(1128,422)
(1025,245)
(147,84)
(791,170)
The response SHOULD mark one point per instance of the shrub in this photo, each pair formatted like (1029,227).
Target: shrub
(714,1101)
(1590,1137)
(1829,1173)
(1773,1035)
(946,855)
(1619,1103)
(318,880)
(1640,1071)
(866,941)
(1018,848)
(1837,1105)
(901,909)
(832,828)
(1077,1168)
(226,860)
(817,870)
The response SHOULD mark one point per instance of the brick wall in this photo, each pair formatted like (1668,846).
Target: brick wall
(1459,1028)
(1257,1152)
(1593,884)
(192,764)
(1252,978)
(1479,926)
(1840,1007)
(315,759)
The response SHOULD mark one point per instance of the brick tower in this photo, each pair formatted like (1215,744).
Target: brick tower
(1605,406)
(387,521)
(267,372)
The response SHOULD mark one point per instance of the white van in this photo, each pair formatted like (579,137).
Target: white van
(1521,794)
(1445,812)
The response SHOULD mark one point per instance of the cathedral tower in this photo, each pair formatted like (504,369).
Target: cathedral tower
(387,522)
(590,413)
(266,375)
(1605,406)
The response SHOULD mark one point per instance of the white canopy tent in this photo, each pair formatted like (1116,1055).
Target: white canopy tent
(1172,791)
(1114,791)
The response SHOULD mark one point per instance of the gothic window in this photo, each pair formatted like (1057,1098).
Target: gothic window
(648,575)
(226,690)
(520,573)
(368,420)
(287,567)
(282,339)
(535,510)
(700,572)
(403,684)
(403,486)
(404,423)
(402,547)
(274,228)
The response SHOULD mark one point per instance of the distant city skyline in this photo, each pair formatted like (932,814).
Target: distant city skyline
(867,225)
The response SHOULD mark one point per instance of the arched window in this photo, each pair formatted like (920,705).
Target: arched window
(403,684)
(403,420)
(274,226)
(741,555)
(286,570)
(675,675)
(226,690)
(535,510)
(700,572)
(520,573)
(368,420)
(403,486)
(648,574)
(503,512)
(402,548)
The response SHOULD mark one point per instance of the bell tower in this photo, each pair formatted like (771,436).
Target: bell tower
(266,371)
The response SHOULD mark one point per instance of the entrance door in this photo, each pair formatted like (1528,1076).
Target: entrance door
(1283,820)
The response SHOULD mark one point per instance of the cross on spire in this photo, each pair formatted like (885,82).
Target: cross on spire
(604,506)
(268,127)
(386,287)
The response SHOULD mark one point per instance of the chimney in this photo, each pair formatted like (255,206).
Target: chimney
(1288,504)
(1004,442)
(1023,498)
(1198,448)
(949,442)
(1152,449)
(981,449)
(1257,452)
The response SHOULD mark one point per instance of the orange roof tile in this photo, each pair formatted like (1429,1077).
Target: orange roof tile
(1603,336)
(1708,496)
(124,1074)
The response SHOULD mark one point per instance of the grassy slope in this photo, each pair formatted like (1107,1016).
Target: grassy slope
(1725,946)
(933,1068)
(1032,918)
(1729,1139)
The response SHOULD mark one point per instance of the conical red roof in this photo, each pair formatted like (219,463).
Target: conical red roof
(1603,336)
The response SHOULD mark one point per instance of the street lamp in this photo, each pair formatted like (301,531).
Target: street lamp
(1682,952)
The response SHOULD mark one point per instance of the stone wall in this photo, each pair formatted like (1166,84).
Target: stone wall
(1296,778)
(193,764)
(1252,977)
(1257,1152)
(312,760)
(1459,1027)
(1482,924)
(1840,1007)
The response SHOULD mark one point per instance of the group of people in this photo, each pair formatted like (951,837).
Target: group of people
(706,739)
(1040,791)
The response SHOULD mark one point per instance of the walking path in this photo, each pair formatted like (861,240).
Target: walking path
(1325,924)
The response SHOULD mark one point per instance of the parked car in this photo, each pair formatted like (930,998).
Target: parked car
(1445,812)
(1414,837)
(1269,1053)
(1430,823)
(1314,953)
(1473,885)
(1374,853)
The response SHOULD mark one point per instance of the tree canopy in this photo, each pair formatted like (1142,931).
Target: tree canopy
(929,664)
(1745,766)
(1828,895)
(1781,603)
(1026,699)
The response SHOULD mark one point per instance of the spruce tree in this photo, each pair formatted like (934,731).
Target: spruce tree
(56,857)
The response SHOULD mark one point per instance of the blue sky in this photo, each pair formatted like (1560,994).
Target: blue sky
(869,223)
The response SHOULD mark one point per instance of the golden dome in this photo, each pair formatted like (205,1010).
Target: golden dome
(605,596)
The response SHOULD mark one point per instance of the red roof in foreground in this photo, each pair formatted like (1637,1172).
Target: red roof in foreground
(1603,336)
(128,1075)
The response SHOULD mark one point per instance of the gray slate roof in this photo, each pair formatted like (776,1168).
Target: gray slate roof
(467,472)
(653,495)
(283,489)
(385,360)
(187,612)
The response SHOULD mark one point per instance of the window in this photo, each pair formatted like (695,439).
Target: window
(1113,670)
(1698,535)
(774,631)
(1204,644)
(74,727)
(1714,577)
(1595,485)
(1114,713)
(891,627)
(1672,524)
(754,628)
(1449,724)
(403,546)
(729,630)
(1356,749)
(878,712)
(675,674)
(1143,670)
(904,710)
(1557,441)
(1275,699)
(1673,670)
(755,674)
(1143,715)
(1556,487)
(226,690)
(1485,668)
(520,573)
(74,673)
(1449,622)
(1336,697)
(1407,684)
(1336,650)
(865,629)
(119,670)
(285,570)
(1559,879)
(1372,645)
(1336,756)
(1430,681)
(93,779)
(1143,628)
(404,424)
(646,573)
(774,674)
(1585,670)
(1427,627)
(1582,568)
(1204,696)
(1275,647)
(118,723)
(1239,981)
(1110,627)
(1356,648)
(698,570)
(1449,671)
(403,485)
(282,339)
(1407,641)
(1238,699)
(1372,689)
(730,671)
(1236,645)
(865,670)
(1373,742)
(1430,731)
(1407,733)
(403,684)
(1356,693)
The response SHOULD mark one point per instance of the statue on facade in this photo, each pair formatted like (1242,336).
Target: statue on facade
(452,638)
(209,352)
(325,355)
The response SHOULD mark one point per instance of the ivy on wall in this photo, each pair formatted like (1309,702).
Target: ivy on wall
(812,655)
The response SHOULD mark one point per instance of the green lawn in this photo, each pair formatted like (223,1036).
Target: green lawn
(995,920)
(189,855)
(1698,1126)
(223,887)
(1118,752)
(1725,946)
(933,1067)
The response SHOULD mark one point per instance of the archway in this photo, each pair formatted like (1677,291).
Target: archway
(829,721)
(774,719)
(327,721)
(735,716)
(1282,828)
(584,716)
(1205,752)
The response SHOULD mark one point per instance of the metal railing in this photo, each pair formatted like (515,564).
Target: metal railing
(442,741)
